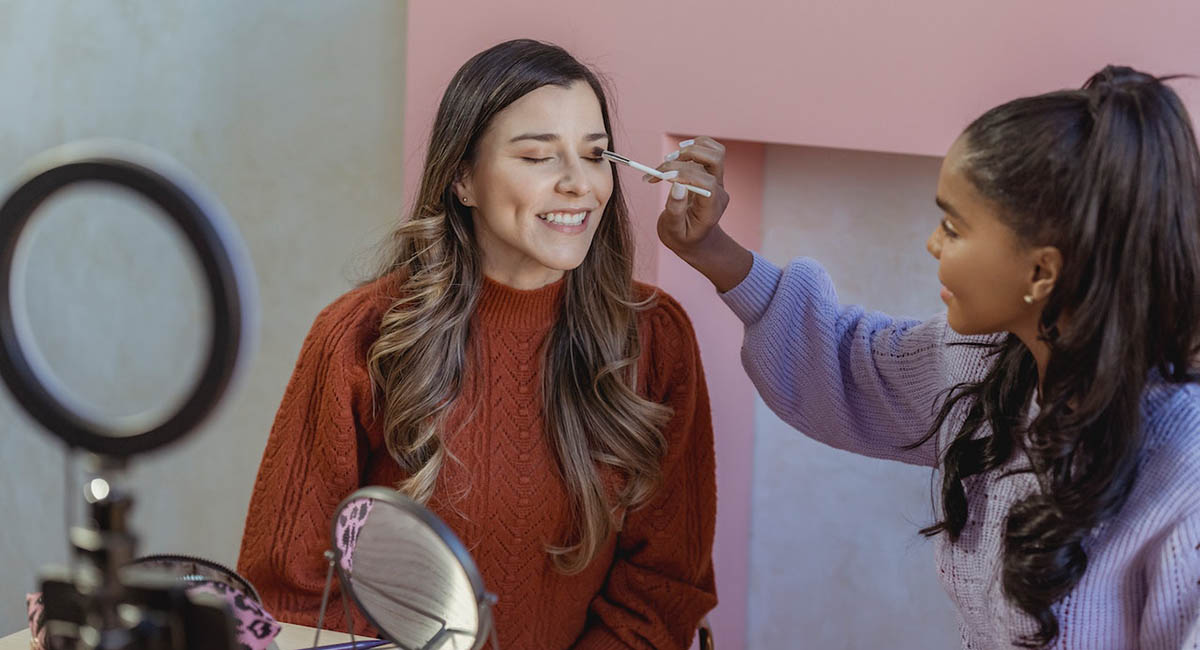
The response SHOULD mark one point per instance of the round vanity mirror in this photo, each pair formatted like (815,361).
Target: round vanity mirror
(409,574)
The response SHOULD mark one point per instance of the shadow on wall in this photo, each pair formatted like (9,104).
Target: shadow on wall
(834,544)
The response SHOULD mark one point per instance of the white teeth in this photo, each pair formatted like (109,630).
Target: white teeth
(564,218)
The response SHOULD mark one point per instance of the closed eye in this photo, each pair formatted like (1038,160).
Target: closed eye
(534,160)
(948,229)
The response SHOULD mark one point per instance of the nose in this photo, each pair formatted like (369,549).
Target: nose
(934,243)
(574,179)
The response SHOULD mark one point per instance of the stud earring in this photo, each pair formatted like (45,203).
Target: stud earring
(1028,299)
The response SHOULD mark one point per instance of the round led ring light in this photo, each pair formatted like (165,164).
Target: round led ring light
(223,261)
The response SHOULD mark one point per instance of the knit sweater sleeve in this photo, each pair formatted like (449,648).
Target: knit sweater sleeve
(661,582)
(314,458)
(853,379)
(1170,617)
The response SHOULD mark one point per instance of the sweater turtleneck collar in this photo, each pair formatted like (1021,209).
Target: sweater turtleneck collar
(503,306)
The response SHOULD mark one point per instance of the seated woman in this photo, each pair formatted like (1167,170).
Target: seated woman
(506,370)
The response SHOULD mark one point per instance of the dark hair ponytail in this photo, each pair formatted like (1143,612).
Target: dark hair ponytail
(1110,175)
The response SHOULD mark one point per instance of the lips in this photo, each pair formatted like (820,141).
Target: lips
(947,294)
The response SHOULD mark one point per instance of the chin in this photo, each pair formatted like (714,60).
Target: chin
(959,329)
(965,327)
(563,262)
(565,266)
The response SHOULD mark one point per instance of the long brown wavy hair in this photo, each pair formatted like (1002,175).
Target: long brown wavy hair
(593,413)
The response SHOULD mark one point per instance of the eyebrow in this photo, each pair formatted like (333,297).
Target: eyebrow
(553,137)
(947,208)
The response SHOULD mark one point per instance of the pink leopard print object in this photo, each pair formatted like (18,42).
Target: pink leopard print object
(37,620)
(256,629)
(350,522)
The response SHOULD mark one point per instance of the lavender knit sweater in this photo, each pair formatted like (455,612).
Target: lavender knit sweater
(865,382)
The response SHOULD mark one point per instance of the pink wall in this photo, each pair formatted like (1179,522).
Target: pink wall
(860,74)
(731,393)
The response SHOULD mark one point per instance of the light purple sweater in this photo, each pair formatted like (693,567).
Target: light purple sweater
(867,383)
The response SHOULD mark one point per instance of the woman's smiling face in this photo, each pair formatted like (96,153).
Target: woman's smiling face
(537,187)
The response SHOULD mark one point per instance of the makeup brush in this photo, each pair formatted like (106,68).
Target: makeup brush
(618,158)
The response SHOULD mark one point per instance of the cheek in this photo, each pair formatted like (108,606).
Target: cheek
(950,263)
(603,191)
(508,187)
(965,273)
(985,280)
(602,184)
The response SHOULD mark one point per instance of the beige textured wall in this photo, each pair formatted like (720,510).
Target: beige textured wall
(290,112)
(835,557)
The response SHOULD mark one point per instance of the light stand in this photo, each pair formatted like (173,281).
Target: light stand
(99,604)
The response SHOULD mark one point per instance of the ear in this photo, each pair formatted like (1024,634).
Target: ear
(1047,265)
(463,186)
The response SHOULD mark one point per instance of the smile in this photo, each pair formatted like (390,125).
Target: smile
(564,218)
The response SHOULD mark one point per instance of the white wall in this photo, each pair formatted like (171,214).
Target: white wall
(835,558)
(290,112)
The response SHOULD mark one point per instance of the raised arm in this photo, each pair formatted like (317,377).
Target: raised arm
(851,378)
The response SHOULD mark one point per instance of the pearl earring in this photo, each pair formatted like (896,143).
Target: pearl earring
(1028,299)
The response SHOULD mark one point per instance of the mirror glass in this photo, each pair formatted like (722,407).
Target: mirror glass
(409,574)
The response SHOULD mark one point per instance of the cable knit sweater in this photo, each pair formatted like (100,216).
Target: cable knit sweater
(650,584)
(865,382)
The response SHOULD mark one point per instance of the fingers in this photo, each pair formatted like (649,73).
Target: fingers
(703,150)
(692,173)
(702,142)
(712,159)
(698,209)
(677,201)
(688,218)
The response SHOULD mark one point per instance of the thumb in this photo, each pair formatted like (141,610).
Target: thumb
(677,201)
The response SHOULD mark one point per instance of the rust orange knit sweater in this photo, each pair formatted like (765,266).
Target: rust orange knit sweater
(648,587)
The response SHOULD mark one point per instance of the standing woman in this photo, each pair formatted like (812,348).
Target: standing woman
(505,369)
(1056,396)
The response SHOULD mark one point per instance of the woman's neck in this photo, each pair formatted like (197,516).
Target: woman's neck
(525,279)
(1039,348)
